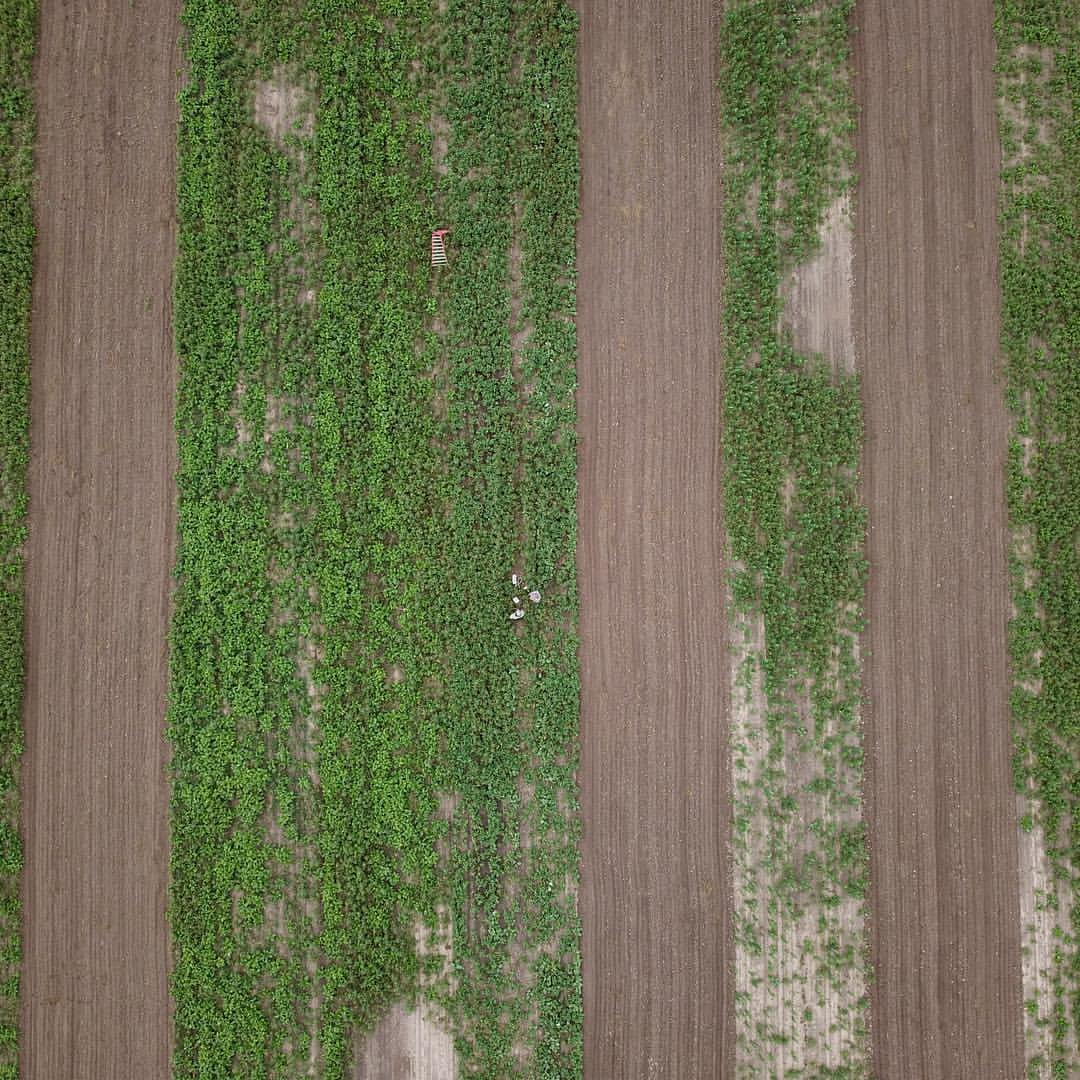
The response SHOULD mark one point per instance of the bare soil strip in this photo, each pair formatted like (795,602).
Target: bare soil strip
(654,779)
(940,799)
(95,996)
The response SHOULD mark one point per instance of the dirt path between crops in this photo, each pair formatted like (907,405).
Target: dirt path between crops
(95,1000)
(654,777)
(941,806)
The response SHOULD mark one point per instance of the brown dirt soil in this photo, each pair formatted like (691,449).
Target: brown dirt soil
(100,551)
(654,775)
(940,799)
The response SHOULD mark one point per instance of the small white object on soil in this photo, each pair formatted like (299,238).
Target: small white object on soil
(513,579)
(517,599)
(519,614)
(534,596)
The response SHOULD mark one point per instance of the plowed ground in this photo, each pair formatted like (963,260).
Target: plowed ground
(95,997)
(940,801)
(944,932)
(654,778)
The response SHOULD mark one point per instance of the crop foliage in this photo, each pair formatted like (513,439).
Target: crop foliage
(792,433)
(1039,111)
(18,25)
(372,766)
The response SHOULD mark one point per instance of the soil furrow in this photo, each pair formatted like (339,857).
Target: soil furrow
(940,800)
(100,550)
(654,777)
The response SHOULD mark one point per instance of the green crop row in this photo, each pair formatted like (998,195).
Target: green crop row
(506,89)
(303,840)
(18,27)
(1039,85)
(366,752)
(792,433)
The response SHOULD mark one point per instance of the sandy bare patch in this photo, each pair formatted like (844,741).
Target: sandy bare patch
(1046,906)
(748,755)
(521,329)
(817,294)
(797,1013)
(414,1043)
(1046,901)
(309,654)
(800,982)
(1022,135)
(407,1045)
(440,143)
(283,108)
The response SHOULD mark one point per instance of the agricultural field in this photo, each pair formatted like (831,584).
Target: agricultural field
(17,26)
(373,794)
(654,784)
(641,645)
(99,548)
(940,799)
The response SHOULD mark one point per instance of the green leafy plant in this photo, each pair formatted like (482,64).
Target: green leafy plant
(18,26)
(362,739)
(792,433)
(1039,91)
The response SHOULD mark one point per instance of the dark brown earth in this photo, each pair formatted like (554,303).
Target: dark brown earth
(654,775)
(95,997)
(945,927)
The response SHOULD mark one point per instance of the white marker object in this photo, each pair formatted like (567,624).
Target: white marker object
(534,596)
(519,614)
(513,579)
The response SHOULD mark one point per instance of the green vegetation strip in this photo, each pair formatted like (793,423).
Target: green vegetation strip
(792,431)
(1039,83)
(510,722)
(18,25)
(367,751)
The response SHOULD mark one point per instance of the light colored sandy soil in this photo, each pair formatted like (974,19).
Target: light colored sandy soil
(1046,904)
(407,1045)
(749,752)
(100,551)
(818,294)
(1046,910)
(796,1015)
(282,108)
(415,1043)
